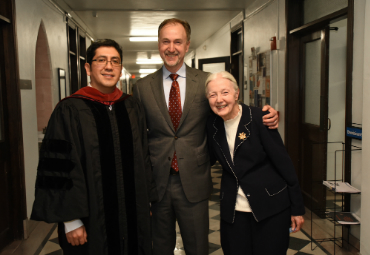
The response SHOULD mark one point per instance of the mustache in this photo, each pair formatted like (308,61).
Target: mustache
(171,53)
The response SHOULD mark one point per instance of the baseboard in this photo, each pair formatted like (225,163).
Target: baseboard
(39,235)
(28,227)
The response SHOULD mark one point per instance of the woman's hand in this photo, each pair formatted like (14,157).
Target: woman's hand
(297,223)
(271,119)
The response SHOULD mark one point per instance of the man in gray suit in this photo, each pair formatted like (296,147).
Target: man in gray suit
(178,148)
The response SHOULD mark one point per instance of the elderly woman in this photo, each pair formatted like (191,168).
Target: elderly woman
(260,195)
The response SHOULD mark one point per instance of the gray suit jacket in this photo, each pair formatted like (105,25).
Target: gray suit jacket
(190,140)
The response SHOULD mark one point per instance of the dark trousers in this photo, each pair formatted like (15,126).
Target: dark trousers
(192,219)
(246,236)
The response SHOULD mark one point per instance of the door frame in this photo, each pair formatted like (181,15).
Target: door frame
(225,60)
(237,57)
(294,31)
(12,109)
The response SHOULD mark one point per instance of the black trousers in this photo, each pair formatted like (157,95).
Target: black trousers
(246,236)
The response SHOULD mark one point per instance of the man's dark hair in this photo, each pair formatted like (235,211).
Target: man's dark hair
(90,53)
(184,23)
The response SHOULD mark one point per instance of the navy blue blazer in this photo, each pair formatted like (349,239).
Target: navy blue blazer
(261,167)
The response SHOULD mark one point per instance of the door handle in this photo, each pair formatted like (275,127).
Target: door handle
(329,123)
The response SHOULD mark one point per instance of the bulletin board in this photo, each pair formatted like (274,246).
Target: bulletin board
(260,79)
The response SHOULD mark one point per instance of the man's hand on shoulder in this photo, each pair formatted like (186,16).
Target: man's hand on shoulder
(77,236)
(271,119)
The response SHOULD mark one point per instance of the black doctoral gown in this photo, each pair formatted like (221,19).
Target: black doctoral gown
(94,166)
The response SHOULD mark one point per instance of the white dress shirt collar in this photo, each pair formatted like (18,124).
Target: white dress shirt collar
(167,84)
(181,72)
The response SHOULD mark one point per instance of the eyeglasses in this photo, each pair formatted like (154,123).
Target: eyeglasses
(103,62)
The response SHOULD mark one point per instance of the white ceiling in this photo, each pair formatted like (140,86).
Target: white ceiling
(120,19)
(85,5)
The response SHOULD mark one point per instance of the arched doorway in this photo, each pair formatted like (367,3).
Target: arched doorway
(43,76)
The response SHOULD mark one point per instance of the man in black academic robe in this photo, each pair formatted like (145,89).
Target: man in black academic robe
(94,176)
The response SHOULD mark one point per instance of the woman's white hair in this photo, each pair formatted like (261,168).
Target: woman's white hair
(224,75)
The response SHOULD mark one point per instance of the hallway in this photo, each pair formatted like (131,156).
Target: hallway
(276,49)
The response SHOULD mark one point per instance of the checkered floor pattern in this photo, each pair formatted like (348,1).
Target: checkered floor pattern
(300,243)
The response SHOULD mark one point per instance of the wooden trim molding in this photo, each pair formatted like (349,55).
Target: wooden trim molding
(4,19)
(13,108)
(319,23)
(225,60)
(293,10)
(348,118)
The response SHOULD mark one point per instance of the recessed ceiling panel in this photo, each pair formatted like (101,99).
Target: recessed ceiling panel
(120,19)
(120,25)
(155,5)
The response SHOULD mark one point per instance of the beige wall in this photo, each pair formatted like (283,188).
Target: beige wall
(30,14)
(365,176)
(218,45)
(357,99)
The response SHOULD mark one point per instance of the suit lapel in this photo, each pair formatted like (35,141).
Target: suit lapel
(158,92)
(243,132)
(191,89)
(219,137)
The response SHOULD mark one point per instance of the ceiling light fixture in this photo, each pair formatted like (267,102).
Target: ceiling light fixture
(147,71)
(144,39)
(148,61)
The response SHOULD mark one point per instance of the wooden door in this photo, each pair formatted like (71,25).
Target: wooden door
(314,112)
(12,185)
(5,229)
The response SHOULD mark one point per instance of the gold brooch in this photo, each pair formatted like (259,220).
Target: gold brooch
(242,136)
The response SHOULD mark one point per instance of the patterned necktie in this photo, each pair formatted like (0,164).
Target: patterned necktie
(175,111)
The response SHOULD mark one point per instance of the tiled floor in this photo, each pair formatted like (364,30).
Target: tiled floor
(300,243)
(52,246)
